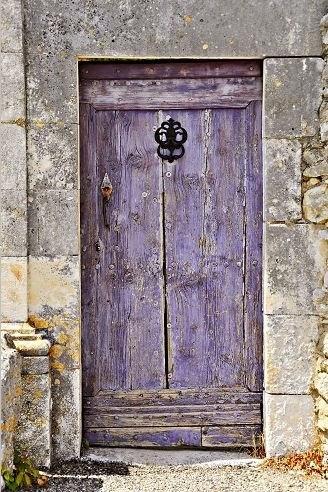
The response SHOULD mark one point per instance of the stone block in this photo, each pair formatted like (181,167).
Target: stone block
(290,353)
(13,289)
(11,26)
(294,266)
(288,424)
(291,29)
(35,365)
(53,223)
(36,347)
(33,434)
(315,204)
(12,81)
(66,414)
(321,407)
(292,96)
(13,157)
(53,290)
(13,223)
(282,161)
(53,156)
(52,98)
(10,401)
(321,384)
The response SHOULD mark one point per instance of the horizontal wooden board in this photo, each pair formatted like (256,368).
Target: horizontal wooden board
(171,93)
(165,69)
(167,397)
(236,436)
(173,416)
(145,437)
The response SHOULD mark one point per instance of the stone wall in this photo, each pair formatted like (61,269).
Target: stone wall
(315,209)
(39,153)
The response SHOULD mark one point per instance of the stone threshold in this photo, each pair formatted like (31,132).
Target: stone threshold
(176,457)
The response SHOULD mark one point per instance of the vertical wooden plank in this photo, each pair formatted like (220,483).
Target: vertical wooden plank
(204,224)
(89,234)
(253,250)
(130,348)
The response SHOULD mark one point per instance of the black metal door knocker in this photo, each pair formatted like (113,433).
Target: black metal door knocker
(170,136)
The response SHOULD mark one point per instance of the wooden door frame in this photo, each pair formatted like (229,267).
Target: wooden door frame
(90,69)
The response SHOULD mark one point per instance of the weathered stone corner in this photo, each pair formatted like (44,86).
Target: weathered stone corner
(33,436)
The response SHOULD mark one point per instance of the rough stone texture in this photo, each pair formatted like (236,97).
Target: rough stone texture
(315,204)
(10,401)
(289,423)
(323,113)
(54,307)
(35,365)
(321,406)
(282,160)
(53,223)
(13,159)
(36,347)
(33,434)
(10,26)
(221,29)
(66,414)
(321,384)
(12,102)
(295,262)
(13,289)
(292,96)
(290,355)
(14,224)
(54,289)
(53,156)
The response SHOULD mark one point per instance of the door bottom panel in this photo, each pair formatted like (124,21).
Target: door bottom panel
(173,418)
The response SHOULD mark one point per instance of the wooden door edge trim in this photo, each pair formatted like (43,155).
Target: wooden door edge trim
(176,68)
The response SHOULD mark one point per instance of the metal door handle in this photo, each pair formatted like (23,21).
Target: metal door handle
(106,191)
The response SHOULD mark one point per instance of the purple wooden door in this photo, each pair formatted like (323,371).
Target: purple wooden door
(171,262)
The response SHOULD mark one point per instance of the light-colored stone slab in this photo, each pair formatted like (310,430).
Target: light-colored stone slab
(53,223)
(289,353)
(53,289)
(53,156)
(11,26)
(164,457)
(292,96)
(12,80)
(13,158)
(289,423)
(13,223)
(66,414)
(282,163)
(33,436)
(294,266)
(13,289)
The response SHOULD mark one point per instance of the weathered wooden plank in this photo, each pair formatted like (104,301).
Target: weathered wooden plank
(233,436)
(165,69)
(146,437)
(171,93)
(89,257)
(170,397)
(253,251)
(130,349)
(204,221)
(173,416)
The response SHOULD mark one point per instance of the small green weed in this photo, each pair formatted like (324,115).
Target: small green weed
(23,475)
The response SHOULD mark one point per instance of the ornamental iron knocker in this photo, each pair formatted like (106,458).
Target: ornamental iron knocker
(170,136)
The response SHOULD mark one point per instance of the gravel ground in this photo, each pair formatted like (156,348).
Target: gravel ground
(189,479)
(227,479)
